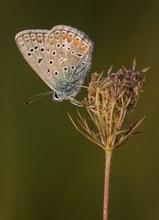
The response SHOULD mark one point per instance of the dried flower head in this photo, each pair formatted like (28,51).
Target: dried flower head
(110,101)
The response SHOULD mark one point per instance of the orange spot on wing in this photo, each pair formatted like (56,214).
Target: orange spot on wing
(70,38)
(63,35)
(39,39)
(32,37)
(77,42)
(51,41)
(83,44)
(48,47)
(57,35)
(85,49)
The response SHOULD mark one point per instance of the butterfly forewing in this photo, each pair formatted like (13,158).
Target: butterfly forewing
(32,44)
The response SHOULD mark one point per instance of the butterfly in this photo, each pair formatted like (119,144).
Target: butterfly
(60,56)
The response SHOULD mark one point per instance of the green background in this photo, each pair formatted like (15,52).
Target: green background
(47,169)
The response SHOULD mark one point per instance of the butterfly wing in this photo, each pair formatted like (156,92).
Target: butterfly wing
(31,44)
(61,56)
(69,52)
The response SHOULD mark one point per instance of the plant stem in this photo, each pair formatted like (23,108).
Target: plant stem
(106,184)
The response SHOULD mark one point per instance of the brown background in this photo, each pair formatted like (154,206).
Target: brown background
(48,171)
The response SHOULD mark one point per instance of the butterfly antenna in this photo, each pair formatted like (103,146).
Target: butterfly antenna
(31,99)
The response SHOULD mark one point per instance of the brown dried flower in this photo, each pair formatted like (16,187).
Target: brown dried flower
(110,101)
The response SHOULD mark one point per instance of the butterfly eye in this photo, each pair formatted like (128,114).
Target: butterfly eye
(29,54)
(42,49)
(83,63)
(56,96)
(36,47)
(31,49)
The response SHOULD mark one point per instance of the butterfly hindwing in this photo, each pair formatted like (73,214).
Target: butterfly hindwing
(69,52)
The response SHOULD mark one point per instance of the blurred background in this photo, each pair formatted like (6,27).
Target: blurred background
(47,169)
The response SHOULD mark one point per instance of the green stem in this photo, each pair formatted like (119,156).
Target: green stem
(106,184)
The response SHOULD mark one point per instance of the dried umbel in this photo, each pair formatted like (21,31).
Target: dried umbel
(109,103)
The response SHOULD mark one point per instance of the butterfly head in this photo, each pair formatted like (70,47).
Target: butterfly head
(66,94)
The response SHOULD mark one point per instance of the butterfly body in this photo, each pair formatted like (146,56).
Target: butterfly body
(60,56)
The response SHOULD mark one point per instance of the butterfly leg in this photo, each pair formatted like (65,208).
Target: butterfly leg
(75,102)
